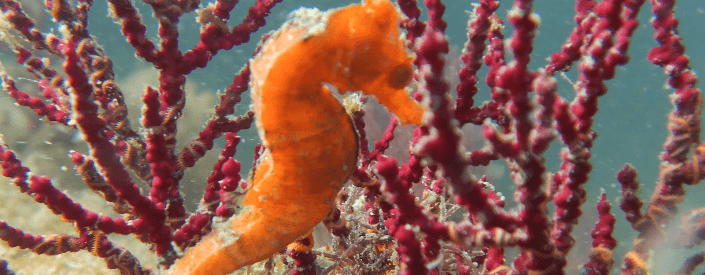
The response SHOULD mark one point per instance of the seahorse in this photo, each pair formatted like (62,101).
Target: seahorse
(310,140)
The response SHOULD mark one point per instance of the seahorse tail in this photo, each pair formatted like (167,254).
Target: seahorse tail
(275,213)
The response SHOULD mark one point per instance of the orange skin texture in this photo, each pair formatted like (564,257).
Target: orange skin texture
(311,142)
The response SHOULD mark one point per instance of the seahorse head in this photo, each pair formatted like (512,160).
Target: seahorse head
(371,56)
(356,48)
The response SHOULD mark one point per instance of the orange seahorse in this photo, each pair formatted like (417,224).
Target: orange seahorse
(311,141)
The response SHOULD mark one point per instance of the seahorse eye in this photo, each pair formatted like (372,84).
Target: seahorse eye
(399,76)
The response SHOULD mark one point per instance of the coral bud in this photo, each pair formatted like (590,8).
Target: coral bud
(231,168)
